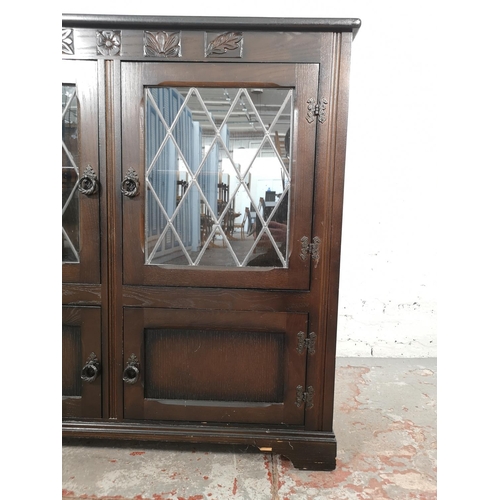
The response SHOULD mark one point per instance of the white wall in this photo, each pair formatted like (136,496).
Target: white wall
(388,296)
(405,126)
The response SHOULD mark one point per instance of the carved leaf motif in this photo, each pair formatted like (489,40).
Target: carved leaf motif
(222,43)
(160,43)
(67,41)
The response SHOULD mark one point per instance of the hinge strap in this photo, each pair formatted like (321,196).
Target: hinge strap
(315,249)
(316,109)
(304,397)
(307,343)
(310,248)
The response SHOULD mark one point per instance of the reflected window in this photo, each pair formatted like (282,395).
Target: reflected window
(70,162)
(218,176)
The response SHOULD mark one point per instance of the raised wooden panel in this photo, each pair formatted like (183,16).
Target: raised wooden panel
(180,362)
(71,355)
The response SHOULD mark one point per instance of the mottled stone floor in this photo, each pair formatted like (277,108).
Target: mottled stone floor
(385,423)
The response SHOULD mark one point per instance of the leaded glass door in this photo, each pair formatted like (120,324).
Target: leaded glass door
(216,190)
(80,173)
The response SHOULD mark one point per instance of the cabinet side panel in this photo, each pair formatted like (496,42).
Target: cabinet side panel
(342,90)
(330,163)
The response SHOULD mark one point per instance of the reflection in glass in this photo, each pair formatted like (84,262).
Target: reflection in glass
(218,176)
(70,162)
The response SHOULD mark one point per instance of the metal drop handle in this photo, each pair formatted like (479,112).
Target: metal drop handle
(131,372)
(91,369)
(88,184)
(130,185)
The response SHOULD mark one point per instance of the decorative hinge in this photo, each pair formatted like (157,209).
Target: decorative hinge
(316,109)
(308,343)
(304,397)
(310,248)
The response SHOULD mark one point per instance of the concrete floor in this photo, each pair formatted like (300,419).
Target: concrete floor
(385,424)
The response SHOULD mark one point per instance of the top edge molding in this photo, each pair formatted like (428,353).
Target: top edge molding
(194,22)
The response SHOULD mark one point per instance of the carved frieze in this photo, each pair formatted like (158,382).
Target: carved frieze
(162,44)
(159,43)
(67,41)
(228,44)
(109,42)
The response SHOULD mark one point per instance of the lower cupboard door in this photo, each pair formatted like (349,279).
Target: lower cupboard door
(81,362)
(213,366)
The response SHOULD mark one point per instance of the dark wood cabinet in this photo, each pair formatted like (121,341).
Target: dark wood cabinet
(203,164)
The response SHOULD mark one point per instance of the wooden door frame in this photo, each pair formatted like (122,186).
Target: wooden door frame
(304,77)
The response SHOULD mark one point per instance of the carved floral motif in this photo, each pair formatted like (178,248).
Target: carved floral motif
(230,40)
(108,42)
(162,44)
(67,41)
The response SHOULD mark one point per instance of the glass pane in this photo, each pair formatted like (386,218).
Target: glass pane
(218,176)
(70,162)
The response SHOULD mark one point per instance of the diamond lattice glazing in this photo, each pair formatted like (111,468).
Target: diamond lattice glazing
(70,176)
(217,176)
